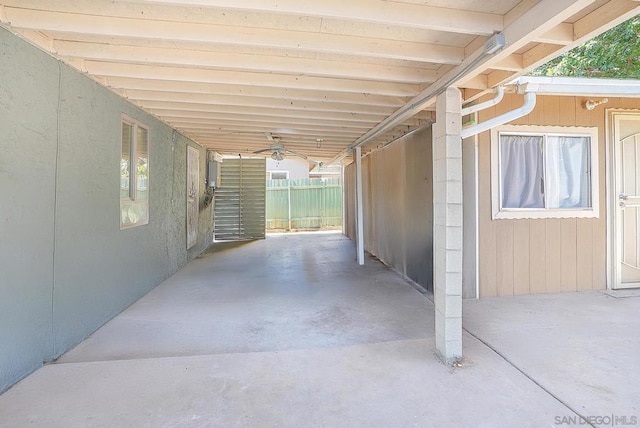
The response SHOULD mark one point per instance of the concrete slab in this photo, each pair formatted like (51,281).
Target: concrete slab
(287,292)
(582,347)
(291,332)
(392,384)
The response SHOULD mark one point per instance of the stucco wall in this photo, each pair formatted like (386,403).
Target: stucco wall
(66,267)
(552,255)
(398,206)
(27,200)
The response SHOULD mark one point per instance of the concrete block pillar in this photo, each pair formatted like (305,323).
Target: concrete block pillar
(447,242)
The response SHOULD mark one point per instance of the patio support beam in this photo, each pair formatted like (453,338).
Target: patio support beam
(359,206)
(447,239)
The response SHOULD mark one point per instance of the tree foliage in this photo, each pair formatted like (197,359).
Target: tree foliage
(614,53)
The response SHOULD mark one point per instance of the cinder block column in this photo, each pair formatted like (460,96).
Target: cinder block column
(447,242)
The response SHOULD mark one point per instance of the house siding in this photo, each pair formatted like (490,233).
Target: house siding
(66,267)
(544,255)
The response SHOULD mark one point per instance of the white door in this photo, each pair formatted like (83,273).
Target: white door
(627,199)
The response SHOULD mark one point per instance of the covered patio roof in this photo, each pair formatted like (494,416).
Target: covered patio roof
(320,75)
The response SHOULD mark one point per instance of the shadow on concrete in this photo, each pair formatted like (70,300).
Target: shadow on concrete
(219,247)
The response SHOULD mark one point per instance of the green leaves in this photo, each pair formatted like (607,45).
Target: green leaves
(614,53)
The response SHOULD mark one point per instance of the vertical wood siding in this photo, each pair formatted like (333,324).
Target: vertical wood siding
(552,255)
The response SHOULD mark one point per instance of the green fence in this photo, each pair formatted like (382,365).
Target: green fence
(306,204)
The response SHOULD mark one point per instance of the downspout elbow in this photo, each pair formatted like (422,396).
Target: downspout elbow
(525,109)
(485,105)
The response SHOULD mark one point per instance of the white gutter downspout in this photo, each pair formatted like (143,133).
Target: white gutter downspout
(525,109)
(485,105)
(359,207)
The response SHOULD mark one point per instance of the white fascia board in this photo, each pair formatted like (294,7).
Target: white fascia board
(578,86)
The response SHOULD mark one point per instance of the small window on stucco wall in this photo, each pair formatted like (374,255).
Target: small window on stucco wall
(134,174)
(277,175)
(544,172)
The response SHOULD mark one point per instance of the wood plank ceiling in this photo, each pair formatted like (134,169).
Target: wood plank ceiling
(318,74)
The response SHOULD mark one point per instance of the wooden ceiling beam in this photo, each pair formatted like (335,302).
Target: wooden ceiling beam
(377,11)
(241,62)
(275,80)
(318,95)
(311,41)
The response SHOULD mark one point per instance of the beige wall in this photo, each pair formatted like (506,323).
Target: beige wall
(543,256)
(398,207)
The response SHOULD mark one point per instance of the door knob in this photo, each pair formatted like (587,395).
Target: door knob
(623,197)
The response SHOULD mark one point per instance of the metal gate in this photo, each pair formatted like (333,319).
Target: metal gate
(240,200)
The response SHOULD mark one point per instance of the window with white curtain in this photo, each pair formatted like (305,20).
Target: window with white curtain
(544,172)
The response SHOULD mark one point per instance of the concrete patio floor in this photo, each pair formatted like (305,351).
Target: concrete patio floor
(290,332)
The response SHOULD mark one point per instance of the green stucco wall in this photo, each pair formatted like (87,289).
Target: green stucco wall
(65,266)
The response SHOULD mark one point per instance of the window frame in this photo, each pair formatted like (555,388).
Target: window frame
(271,172)
(133,178)
(498,212)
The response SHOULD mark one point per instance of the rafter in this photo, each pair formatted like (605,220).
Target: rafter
(259,111)
(379,11)
(260,102)
(317,95)
(311,41)
(110,69)
(240,62)
(223,128)
(267,117)
(266,120)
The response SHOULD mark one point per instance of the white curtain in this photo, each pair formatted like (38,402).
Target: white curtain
(522,166)
(568,172)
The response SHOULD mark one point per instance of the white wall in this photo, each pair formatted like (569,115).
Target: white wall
(298,168)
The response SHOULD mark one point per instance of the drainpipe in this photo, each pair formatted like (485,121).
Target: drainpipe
(525,109)
(485,105)
(359,212)
(289,203)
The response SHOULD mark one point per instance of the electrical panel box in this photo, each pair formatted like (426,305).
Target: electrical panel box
(213,174)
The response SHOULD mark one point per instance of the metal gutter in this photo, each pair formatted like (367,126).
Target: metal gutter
(576,86)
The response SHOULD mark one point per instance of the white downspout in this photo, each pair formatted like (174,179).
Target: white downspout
(359,212)
(485,105)
(525,109)
(476,159)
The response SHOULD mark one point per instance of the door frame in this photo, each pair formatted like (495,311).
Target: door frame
(614,237)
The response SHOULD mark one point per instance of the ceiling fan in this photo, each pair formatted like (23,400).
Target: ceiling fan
(277,149)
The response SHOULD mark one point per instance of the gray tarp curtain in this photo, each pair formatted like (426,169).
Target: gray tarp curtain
(528,183)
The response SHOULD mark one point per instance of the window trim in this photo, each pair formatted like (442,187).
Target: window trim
(270,172)
(497,212)
(133,183)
